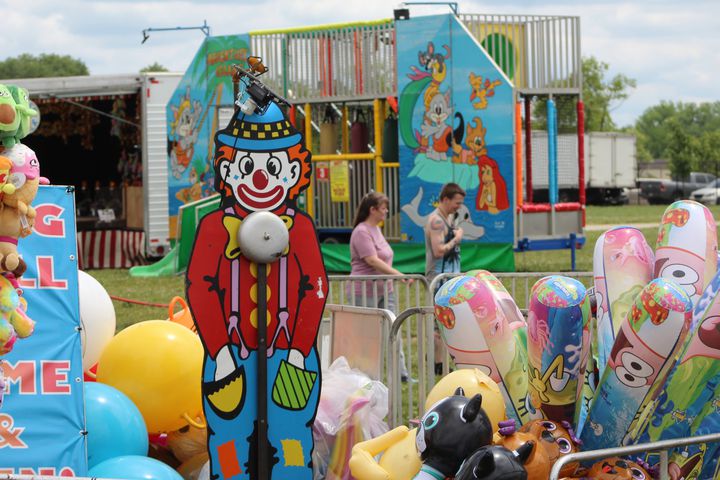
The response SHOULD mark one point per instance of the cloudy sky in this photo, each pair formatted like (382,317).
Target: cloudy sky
(672,51)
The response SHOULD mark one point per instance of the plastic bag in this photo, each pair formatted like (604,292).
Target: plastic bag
(352,408)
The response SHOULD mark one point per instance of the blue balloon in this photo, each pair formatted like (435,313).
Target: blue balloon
(115,425)
(134,467)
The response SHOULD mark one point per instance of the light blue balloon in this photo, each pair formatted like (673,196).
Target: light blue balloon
(134,467)
(115,425)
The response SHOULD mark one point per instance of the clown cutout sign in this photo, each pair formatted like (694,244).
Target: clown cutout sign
(261,165)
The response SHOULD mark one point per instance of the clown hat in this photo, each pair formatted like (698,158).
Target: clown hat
(259,133)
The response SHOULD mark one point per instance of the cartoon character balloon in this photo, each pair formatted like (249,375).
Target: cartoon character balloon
(558,345)
(639,363)
(478,330)
(261,165)
(687,247)
(623,264)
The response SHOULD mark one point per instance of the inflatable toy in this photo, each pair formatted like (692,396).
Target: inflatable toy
(399,460)
(183,317)
(510,352)
(449,432)
(641,358)
(556,438)
(495,462)
(155,363)
(115,425)
(623,264)
(688,403)
(473,325)
(616,468)
(558,346)
(134,466)
(97,317)
(472,381)
(537,464)
(687,247)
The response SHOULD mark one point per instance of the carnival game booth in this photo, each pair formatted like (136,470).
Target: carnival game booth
(399,106)
(107,127)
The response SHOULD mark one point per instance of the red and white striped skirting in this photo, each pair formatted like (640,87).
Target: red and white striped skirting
(110,249)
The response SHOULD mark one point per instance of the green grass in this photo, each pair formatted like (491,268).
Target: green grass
(163,289)
(119,283)
(631,214)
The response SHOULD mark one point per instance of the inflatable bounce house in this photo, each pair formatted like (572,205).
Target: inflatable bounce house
(401,107)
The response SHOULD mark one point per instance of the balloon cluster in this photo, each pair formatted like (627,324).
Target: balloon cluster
(19,181)
(645,367)
(142,398)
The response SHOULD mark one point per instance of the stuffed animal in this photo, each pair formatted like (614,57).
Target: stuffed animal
(13,226)
(9,118)
(14,322)
(24,177)
(23,109)
(449,432)
(495,462)
(17,216)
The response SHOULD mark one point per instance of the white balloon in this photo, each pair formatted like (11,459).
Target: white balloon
(97,317)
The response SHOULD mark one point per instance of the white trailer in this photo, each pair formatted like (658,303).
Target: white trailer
(153,91)
(156,91)
(610,165)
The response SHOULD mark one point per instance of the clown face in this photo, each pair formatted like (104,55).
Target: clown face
(260,180)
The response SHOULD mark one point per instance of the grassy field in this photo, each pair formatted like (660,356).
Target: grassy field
(161,290)
(631,214)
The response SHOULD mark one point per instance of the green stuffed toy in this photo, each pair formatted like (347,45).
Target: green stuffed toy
(24,111)
(9,118)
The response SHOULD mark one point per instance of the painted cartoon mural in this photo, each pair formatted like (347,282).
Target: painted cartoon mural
(193,117)
(455,125)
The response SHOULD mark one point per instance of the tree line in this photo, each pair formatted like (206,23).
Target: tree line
(687,134)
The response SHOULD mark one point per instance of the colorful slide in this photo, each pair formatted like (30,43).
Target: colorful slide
(176,260)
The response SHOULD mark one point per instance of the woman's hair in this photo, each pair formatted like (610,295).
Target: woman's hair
(372,199)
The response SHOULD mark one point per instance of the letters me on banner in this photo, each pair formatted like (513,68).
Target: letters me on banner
(42,420)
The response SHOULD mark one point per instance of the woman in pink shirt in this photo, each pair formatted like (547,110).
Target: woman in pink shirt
(370,254)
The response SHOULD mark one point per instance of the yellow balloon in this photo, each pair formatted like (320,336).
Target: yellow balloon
(472,381)
(158,364)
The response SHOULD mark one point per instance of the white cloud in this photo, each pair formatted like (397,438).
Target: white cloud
(672,51)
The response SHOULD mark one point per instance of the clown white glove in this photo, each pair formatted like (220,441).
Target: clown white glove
(296,358)
(224,363)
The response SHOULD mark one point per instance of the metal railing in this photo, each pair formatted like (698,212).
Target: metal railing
(540,54)
(662,446)
(347,62)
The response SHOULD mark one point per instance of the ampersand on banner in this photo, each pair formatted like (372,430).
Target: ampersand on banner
(9,436)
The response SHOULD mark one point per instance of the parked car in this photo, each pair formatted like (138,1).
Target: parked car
(665,190)
(709,194)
